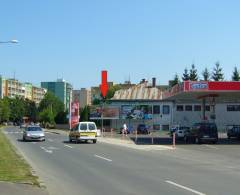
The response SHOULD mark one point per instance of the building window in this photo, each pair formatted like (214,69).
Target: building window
(188,108)
(207,108)
(156,127)
(166,109)
(233,108)
(165,127)
(197,107)
(179,107)
(156,109)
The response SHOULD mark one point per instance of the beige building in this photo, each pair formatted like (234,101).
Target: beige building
(83,97)
(13,88)
(38,94)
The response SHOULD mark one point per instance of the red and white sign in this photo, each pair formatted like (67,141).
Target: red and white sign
(211,86)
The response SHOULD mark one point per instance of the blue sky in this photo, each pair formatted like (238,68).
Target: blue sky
(76,39)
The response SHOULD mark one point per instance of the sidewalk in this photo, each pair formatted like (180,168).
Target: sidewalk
(7,188)
(119,140)
(127,142)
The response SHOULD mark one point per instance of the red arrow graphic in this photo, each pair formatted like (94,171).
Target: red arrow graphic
(104,85)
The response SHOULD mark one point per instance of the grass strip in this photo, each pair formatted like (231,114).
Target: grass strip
(13,168)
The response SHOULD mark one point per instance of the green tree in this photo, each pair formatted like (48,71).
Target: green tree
(50,101)
(217,74)
(61,118)
(4,110)
(31,110)
(185,76)
(235,75)
(17,109)
(175,81)
(112,90)
(110,94)
(46,116)
(96,102)
(206,75)
(84,114)
(193,73)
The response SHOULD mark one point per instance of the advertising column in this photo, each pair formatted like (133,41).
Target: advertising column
(74,114)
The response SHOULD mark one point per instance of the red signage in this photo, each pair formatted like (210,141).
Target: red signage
(74,119)
(104,85)
(211,86)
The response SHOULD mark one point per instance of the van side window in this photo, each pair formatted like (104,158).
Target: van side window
(91,127)
(83,127)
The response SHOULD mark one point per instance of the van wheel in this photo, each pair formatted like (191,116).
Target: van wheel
(94,141)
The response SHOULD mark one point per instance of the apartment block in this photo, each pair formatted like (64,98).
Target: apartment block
(83,97)
(13,88)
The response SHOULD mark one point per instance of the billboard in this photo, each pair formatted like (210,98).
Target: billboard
(107,112)
(74,119)
(136,112)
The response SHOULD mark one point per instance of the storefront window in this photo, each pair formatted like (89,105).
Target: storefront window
(207,108)
(156,127)
(166,109)
(233,108)
(197,108)
(188,108)
(179,107)
(156,109)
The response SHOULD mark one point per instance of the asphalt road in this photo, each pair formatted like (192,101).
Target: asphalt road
(104,169)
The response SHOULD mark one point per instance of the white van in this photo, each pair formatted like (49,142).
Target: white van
(84,131)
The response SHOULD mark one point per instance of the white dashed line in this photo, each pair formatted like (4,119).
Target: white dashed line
(109,160)
(46,150)
(68,146)
(209,146)
(184,187)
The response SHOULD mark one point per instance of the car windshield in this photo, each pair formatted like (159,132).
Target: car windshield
(34,129)
(83,127)
(91,127)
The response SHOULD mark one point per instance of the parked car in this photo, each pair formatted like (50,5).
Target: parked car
(233,131)
(202,132)
(33,133)
(84,131)
(180,131)
(142,129)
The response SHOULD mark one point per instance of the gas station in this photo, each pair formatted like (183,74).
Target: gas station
(218,101)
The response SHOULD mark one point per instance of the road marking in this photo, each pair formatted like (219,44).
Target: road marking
(209,146)
(50,140)
(68,146)
(184,187)
(109,160)
(52,148)
(46,150)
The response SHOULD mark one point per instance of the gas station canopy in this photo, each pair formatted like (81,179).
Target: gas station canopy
(193,90)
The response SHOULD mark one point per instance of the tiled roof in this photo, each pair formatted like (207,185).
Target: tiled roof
(140,92)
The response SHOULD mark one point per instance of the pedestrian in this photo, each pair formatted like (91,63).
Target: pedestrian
(124,129)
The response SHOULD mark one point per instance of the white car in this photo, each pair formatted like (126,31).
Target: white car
(179,131)
(84,131)
(33,133)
